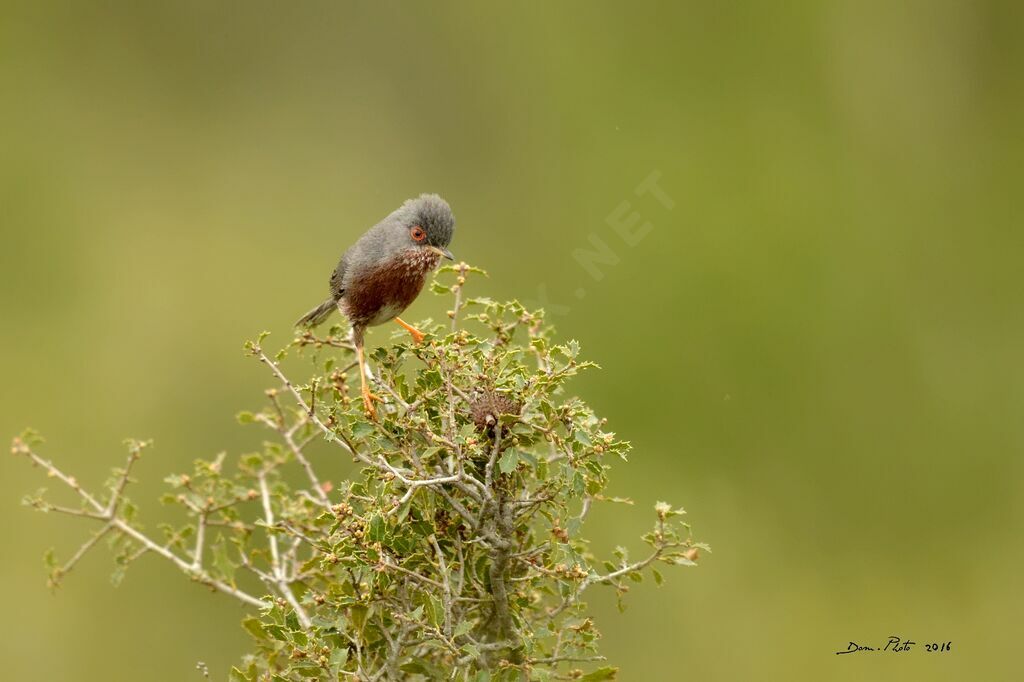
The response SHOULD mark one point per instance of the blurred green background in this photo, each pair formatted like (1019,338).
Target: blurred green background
(816,350)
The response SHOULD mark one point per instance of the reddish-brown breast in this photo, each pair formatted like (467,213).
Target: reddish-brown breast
(381,293)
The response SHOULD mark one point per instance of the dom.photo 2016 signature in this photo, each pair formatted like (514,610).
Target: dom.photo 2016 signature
(897,645)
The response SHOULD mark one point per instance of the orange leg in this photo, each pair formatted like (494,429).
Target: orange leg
(417,335)
(368,397)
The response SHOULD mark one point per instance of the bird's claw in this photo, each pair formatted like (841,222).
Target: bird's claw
(368,399)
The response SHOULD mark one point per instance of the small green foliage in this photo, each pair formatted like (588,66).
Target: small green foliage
(455,552)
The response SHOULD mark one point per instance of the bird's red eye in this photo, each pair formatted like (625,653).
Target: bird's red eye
(418,233)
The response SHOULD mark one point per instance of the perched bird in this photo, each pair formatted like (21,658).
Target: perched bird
(384,271)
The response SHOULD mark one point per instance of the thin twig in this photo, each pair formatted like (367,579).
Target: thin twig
(127,529)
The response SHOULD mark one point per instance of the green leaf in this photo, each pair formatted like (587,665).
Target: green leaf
(31,438)
(527,457)
(606,673)
(362,429)
(50,559)
(291,621)
(463,628)
(277,632)
(359,614)
(508,462)
(339,657)
(434,610)
(578,483)
(255,628)
(377,529)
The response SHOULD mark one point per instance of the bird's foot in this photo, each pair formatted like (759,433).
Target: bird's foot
(368,399)
(417,335)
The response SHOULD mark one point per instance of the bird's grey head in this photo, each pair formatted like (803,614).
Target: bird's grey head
(423,222)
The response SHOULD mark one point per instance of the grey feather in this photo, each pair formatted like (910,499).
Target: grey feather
(391,235)
(318,314)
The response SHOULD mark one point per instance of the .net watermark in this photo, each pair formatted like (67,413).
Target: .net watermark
(631,226)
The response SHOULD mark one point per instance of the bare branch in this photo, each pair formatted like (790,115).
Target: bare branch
(82,551)
(276,566)
(446,581)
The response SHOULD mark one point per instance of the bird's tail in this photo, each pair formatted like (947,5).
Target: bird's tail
(317,314)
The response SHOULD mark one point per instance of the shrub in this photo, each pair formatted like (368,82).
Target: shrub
(455,554)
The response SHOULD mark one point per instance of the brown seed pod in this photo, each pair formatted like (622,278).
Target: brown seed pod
(487,406)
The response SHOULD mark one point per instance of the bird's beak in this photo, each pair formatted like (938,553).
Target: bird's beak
(442,252)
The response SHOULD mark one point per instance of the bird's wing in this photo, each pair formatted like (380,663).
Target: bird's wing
(338,276)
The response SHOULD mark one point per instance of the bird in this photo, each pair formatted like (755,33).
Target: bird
(380,275)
